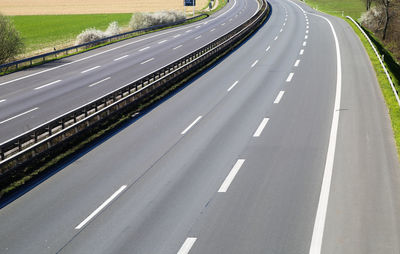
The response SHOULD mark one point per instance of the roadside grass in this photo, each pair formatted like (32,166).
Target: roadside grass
(43,31)
(355,8)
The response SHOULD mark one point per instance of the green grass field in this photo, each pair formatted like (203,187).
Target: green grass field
(352,8)
(41,31)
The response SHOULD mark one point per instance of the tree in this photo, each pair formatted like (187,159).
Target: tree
(386,7)
(10,41)
(368,4)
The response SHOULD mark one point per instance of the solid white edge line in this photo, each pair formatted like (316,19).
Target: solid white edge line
(149,60)
(49,84)
(12,118)
(279,97)
(187,245)
(177,47)
(101,207)
(232,86)
(254,64)
(320,218)
(98,82)
(119,58)
(261,127)
(296,64)
(91,69)
(143,49)
(191,125)
(289,78)
(229,179)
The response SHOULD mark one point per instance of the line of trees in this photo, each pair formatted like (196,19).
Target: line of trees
(383,18)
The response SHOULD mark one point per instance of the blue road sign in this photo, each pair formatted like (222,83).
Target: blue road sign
(190,2)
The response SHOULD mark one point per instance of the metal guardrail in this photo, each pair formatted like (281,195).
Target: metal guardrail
(31,144)
(42,58)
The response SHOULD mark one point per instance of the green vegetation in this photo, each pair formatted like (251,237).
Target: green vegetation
(390,99)
(41,31)
(352,8)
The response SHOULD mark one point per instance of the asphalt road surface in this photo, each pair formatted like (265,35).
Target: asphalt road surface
(284,146)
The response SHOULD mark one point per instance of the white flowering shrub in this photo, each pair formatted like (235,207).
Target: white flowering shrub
(144,20)
(373,18)
(93,34)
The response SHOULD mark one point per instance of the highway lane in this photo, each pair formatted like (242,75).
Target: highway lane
(36,99)
(220,178)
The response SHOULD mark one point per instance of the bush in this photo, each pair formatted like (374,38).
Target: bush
(373,19)
(10,40)
(144,20)
(93,34)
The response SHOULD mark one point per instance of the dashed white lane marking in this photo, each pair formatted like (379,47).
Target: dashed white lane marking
(98,82)
(177,47)
(12,118)
(198,37)
(281,30)
(228,180)
(212,30)
(120,58)
(304,43)
(230,20)
(151,59)
(268,48)
(91,69)
(49,84)
(143,49)
(101,207)
(276,38)
(2,100)
(197,27)
(176,36)
(307,23)
(223,24)
(306,37)
(254,64)
(307,32)
(187,245)
(261,127)
(301,52)
(289,78)
(188,31)
(279,97)
(296,64)
(161,42)
(284,24)
(232,86)
(307,27)
(191,125)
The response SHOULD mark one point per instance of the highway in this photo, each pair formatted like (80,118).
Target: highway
(284,146)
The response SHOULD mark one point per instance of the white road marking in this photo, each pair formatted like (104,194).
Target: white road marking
(12,118)
(177,47)
(307,32)
(91,69)
(284,24)
(143,49)
(302,52)
(232,86)
(176,36)
(151,59)
(289,78)
(307,27)
(296,64)
(187,245)
(279,97)
(281,30)
(119,58)
(188,31)
(198,37)
(98,82)
(2,100)
(212,30)
(191,125)
(161,42)
(306,37)
(95,212)
(268,48)
(275,38)
(307,23)
(261,127)
(254,64)
(228,180)
(198,26)
(49,84)
(230,20)
(304,43)
(223,24)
